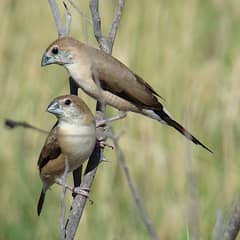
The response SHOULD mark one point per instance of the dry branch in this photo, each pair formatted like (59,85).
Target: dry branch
(63,206)
(14,124)
(83,15)
(136,196)
(116,21)
(218,228)
(233,225)
(62,32)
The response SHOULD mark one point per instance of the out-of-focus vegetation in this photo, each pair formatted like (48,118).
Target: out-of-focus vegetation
(189,51)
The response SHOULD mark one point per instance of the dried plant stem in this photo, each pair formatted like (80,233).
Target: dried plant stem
(233,225)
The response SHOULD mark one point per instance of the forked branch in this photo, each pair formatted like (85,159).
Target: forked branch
(62,31)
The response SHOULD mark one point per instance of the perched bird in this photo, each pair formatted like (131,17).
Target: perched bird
(72,139)
(108,80)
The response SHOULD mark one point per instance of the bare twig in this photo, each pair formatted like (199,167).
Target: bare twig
(57,17)
(68,20)
(219,226)
(83,14)
(14,124)
(136,196)
(101,123)
(79,201)
(63,207)
(62,32)
(233,225)
(193,203)
(103,42)
(116,21)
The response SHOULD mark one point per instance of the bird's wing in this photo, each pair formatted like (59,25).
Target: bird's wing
(117,78)
(51,149)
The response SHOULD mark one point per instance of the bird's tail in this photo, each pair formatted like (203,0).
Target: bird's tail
(41,201)
(172,123)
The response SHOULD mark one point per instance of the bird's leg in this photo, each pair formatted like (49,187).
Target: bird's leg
(77,173)
(120,115)
(77,190)
(60,182)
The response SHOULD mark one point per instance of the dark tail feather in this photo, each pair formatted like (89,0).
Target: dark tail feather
(40,202)
(172,123)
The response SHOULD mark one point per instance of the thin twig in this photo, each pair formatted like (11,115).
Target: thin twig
(79,201)
(193,208)
(219,226)
(11,124)
(136,195)
(101,123)
(116,21)
(97,29)
(62,31)
(233,225)
(68,20)
(63,206)
(57,17)
(80,12)
(102,40)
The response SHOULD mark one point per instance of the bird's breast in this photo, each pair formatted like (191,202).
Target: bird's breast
(77,143)
(82,74)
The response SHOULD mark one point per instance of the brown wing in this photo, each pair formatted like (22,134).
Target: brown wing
(50,150)
(117,78)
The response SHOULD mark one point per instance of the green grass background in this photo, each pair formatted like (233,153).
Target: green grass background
(189,52)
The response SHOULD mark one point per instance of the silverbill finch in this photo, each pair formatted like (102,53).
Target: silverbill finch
(108,80)
(72,139)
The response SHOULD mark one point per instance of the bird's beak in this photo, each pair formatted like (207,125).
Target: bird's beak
(54,108)
(46,60)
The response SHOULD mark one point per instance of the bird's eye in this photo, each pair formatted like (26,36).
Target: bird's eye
(67,102)
(55,50)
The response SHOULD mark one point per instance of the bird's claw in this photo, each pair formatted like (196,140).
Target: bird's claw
(102,144)
(83,191)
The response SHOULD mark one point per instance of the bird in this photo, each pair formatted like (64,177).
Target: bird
(71,139)
(108,80)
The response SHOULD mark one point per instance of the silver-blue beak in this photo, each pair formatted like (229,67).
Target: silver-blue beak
(54,108)
(46,60)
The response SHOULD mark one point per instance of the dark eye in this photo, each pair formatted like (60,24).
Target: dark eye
(68,102)
(55,50)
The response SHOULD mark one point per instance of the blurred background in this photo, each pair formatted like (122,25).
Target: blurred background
(189,52)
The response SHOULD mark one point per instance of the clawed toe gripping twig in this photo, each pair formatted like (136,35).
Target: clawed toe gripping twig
(102,144)
(83,191)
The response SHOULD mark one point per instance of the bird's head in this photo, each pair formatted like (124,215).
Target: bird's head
(71,108)
(62,51)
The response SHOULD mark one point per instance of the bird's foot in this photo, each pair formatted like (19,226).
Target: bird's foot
(83,191)
(102,144)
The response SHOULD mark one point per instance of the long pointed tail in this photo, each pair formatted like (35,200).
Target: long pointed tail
(40,202)
(172,123)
